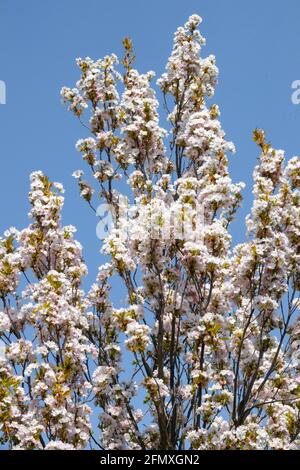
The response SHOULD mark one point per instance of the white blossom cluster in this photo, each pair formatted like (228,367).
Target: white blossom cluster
(205,351)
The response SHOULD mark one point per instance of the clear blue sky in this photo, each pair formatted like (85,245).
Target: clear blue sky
(256,43)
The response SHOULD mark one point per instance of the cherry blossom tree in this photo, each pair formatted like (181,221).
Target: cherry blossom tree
(206,352)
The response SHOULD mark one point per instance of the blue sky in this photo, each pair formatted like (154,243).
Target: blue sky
(256,44)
